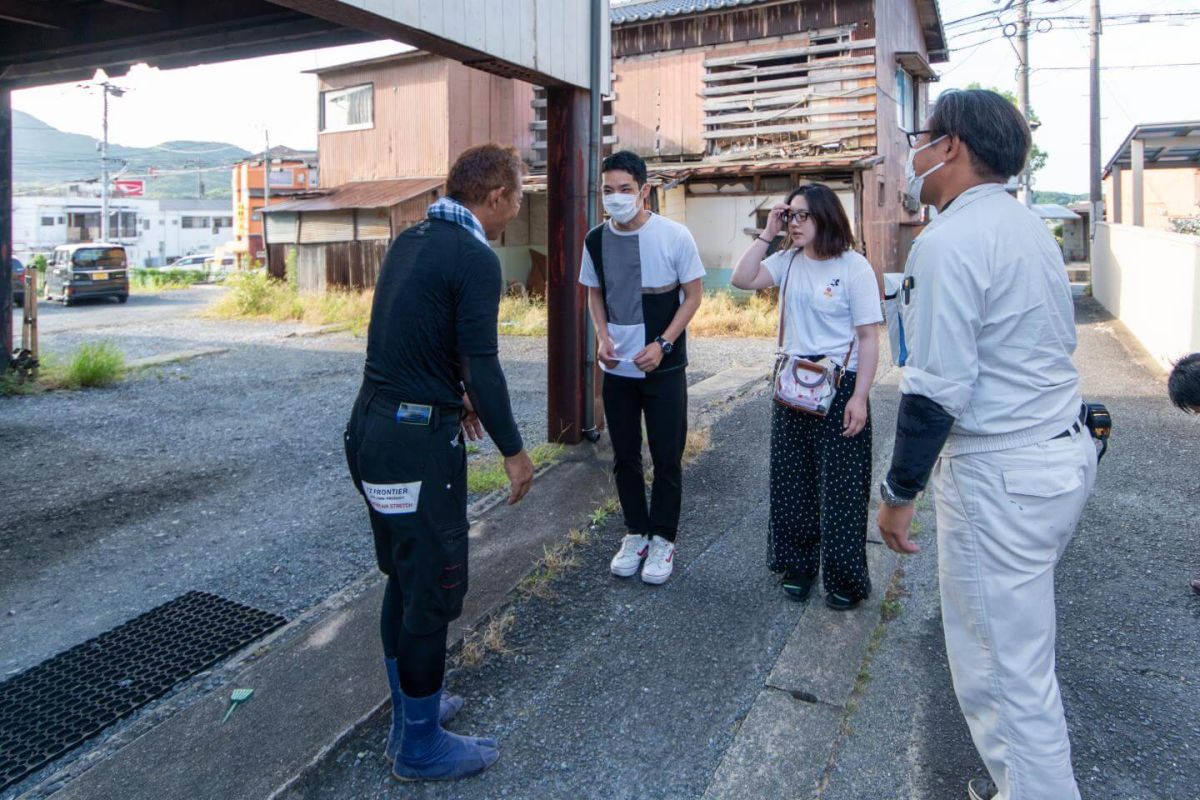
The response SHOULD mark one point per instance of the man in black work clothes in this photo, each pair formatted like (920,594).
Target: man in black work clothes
(431,375)
(1183,386)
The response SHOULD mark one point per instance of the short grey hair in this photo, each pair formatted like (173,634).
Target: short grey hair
(991,127)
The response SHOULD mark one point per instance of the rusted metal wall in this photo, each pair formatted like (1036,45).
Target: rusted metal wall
(345,265)
(744,25)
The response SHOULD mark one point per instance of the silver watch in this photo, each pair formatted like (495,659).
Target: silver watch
(891,498)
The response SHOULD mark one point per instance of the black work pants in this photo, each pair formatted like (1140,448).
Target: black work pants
(662,401)
(414,480)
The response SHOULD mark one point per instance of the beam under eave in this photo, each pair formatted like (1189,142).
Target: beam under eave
(139,5)
(28,13)
(231,42)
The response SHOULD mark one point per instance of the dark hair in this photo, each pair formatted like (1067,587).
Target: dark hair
(481,169)
(1184,383)
(991,127)
(626,161)
(833,226)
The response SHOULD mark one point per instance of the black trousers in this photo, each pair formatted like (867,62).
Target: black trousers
(820,489)
(414,481)
(662,400)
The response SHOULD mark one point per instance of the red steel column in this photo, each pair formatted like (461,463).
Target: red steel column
(568,113)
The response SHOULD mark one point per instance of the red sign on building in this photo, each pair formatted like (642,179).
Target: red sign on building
(130,188)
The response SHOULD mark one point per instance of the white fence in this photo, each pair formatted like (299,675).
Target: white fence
(1150,280)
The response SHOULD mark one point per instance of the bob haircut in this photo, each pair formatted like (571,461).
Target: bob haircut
(833,226)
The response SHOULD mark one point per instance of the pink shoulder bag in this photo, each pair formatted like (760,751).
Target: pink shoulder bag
(800,384)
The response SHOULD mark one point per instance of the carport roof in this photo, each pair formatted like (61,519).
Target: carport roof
(1167,144)
(363,194)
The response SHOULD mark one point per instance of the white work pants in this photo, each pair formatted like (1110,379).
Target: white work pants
(1004,520)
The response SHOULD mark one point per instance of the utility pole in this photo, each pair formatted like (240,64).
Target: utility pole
(104,169)
(266,199)
(106,89)
(1096,196)
(1023,86)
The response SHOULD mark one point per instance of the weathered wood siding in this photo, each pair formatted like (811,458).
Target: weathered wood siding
(754,23)
(898,29)
(410,134)
(427,110)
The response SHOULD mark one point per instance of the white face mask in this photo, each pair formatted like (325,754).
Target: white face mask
(914,182)
(621,207)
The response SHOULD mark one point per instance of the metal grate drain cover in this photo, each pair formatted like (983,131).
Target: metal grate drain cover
(49,709)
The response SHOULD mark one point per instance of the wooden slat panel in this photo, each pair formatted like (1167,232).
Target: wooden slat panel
(787,69)
(789,113)
(852,126)
(776,99)
(326,226)
(808,50)
(814,80)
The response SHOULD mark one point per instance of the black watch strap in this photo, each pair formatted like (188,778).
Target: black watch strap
(666,346)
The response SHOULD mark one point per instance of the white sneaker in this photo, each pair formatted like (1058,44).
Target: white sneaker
(627,560)
(660,562)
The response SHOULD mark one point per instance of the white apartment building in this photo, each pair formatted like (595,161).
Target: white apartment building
(154,232)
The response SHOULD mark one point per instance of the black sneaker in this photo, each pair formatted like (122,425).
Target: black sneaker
(981,789)
(797,586)
(840,602)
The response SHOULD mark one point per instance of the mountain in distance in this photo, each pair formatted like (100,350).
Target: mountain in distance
(44,156)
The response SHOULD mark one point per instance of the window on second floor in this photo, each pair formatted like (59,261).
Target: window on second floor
(350,109)
(906,100)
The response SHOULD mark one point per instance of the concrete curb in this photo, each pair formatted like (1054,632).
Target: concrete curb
(319,678)
(784,745)
(174,358)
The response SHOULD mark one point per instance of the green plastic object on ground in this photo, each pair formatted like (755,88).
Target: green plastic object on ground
(238,697)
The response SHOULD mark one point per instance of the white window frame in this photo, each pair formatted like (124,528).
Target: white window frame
(333,94)
(906,100)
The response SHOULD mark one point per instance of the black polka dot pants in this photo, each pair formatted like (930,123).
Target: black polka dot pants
(820,488)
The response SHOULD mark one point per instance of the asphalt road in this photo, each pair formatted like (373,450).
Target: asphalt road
(1128,625)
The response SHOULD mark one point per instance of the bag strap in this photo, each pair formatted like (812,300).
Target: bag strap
(783,301)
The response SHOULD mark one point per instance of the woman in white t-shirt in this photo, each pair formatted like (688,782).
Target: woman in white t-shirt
(820,466)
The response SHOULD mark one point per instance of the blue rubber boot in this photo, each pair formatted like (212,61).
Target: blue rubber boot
(451,705)
(429,753)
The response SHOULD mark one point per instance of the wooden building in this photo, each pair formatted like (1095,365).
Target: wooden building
(389,129)
(734,102)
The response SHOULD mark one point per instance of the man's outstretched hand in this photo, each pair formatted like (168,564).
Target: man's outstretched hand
(519,469)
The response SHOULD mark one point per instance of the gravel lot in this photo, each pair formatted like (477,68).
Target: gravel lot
(223,474)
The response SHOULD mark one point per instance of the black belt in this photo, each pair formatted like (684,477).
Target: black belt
(410,413)
(1076,426)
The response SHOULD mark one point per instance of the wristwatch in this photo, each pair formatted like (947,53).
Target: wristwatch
(891,498)
(666,346)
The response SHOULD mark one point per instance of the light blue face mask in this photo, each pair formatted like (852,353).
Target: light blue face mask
(914,183)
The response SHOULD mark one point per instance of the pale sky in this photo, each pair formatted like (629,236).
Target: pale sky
(235,102)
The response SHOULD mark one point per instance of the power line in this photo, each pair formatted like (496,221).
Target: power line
(1126,66)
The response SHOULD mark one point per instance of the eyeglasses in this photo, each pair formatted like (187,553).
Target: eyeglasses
(798,216)
(914,136)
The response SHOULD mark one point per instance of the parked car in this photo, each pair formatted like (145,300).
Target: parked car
(18,282)
(195,262)
(93,269)
(222,266)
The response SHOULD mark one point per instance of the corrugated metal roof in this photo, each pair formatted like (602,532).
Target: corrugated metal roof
(657,9)
(364,194)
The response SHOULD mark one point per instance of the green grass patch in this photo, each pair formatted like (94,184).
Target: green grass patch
(256,295)
(93,365)
(521,316)
(156,280)
(487,474)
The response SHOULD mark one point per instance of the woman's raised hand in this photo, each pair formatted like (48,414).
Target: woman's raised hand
(775,223)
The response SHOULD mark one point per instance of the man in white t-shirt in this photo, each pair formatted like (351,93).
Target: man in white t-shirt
(643,275)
